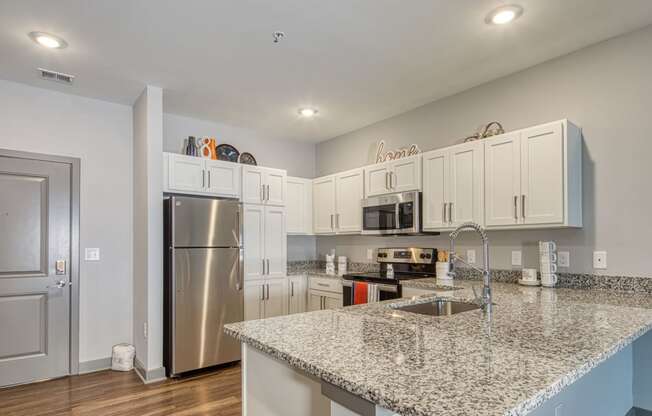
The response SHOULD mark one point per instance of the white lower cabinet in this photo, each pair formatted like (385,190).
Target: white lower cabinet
(265,298)
(324,293)
(297,294)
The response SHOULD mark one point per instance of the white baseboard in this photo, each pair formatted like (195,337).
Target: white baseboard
(92,366)
(149,376)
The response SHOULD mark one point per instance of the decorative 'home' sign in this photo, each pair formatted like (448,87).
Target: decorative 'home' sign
(399,153)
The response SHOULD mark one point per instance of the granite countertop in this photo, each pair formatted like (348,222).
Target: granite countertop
(538,342)
(313,272)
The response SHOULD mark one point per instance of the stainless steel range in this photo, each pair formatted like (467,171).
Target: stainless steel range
(396,264)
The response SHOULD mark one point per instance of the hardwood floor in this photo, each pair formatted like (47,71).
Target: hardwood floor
(123,394)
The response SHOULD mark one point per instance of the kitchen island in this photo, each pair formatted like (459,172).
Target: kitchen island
(539,345)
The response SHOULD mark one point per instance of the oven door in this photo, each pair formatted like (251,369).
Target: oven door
(375,292)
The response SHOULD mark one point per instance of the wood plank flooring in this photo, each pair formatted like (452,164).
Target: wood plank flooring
(109,393)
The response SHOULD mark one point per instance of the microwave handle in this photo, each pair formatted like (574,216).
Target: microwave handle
(397,217)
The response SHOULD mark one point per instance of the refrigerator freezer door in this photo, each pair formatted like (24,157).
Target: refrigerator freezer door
(207,295)
(204,222)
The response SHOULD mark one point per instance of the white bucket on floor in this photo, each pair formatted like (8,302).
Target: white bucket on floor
(122,358)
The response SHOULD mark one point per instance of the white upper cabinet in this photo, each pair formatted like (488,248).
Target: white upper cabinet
(337,206)
(323,202)
(349,190)
(534,177)
(265,242)
(299,206)
(199,176)
(453,186)
(263,185)
(399,175)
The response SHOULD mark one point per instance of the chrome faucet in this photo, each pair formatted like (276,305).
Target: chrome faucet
(485,299)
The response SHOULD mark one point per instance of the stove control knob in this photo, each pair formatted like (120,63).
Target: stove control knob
(422,255)
(428,256)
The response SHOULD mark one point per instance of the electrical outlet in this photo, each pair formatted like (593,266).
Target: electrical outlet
(145,330)
(599,259)
(563,259)
(517,258)
(559,410)
(92,254)
(470,256)
(370,254)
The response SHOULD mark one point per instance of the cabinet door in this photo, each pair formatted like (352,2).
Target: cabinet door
(253,241)
(503,179)
(349,189)
(332,300)
(377,179)
(275,181)
(297,294)
(299,206)
(542,174)
(466,190)
(436,171)
(253,300)
(315,301)
(223,178)
(275,242)
(252,185)
(186,173)
(276,301)
(323,197)
(406,174)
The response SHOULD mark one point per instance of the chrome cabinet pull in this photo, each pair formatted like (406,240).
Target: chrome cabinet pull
(523,206)
(515,207)
(387,180)
(291,289)
(391,180)
(332,221)
(337,221)
(209,179)
(267,290)
(262,292)
(203,178)
(267,193)
(268,267)
(262,193)
(443,213)
(450,212)
(263,260)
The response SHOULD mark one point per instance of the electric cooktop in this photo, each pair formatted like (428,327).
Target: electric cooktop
(381,277)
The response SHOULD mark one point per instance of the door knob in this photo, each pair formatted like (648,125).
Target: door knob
(59,285)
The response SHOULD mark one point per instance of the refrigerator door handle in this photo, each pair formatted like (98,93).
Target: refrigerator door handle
(240,284)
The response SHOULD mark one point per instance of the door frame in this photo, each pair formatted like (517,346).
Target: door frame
(75,163)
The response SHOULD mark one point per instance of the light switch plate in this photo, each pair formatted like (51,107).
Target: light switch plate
(92,254)
(370,254)
(559,410)
(563,259)
(599,259)
(517,258)
(470,256)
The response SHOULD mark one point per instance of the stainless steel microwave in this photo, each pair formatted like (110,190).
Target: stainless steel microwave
(392,214)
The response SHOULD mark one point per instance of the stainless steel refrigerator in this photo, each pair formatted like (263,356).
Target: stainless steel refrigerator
(203,282)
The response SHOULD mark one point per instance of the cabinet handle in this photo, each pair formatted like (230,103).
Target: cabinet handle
(266,187)
(262,193)
(450,212)
(515,207)
(321,303)
(337,221)
(443,214)
(203,178)
(322,285)
(387,180)
(268,267)
(332,221)
(267,291)
(262,292)
(391,180)
(209,179)
(291,289)
(523,206)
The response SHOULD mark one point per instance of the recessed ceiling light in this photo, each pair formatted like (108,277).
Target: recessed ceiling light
(308,112)
(504,14)
(48,40)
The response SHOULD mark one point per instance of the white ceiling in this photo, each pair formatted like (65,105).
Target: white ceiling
(358,61)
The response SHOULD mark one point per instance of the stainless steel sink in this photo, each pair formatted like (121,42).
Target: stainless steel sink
(440,307)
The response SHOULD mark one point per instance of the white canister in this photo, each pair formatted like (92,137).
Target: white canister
(330,264)
(341,265)
(441,269)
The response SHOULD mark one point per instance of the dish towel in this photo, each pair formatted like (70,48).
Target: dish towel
(359,293)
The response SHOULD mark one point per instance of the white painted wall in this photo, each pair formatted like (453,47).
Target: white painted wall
(296,157)
(605,88)
(148,227)
(100,134)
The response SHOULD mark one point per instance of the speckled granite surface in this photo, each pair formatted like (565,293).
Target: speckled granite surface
(318,268)
(538,342)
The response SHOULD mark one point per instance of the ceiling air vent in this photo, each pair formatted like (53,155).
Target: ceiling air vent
(56,76)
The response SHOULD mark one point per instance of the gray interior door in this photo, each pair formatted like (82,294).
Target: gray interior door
(35,251)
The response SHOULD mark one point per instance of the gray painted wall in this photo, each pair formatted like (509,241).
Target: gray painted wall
(605,89)
(99,133)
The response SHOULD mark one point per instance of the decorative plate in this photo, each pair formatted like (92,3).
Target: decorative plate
(248,159)
(227,152)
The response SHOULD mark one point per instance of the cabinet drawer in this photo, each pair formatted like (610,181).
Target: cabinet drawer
(325,284)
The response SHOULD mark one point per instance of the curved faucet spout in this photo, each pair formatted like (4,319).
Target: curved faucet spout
(485,301)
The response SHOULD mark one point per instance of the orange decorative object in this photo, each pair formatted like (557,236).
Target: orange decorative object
(208,148)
